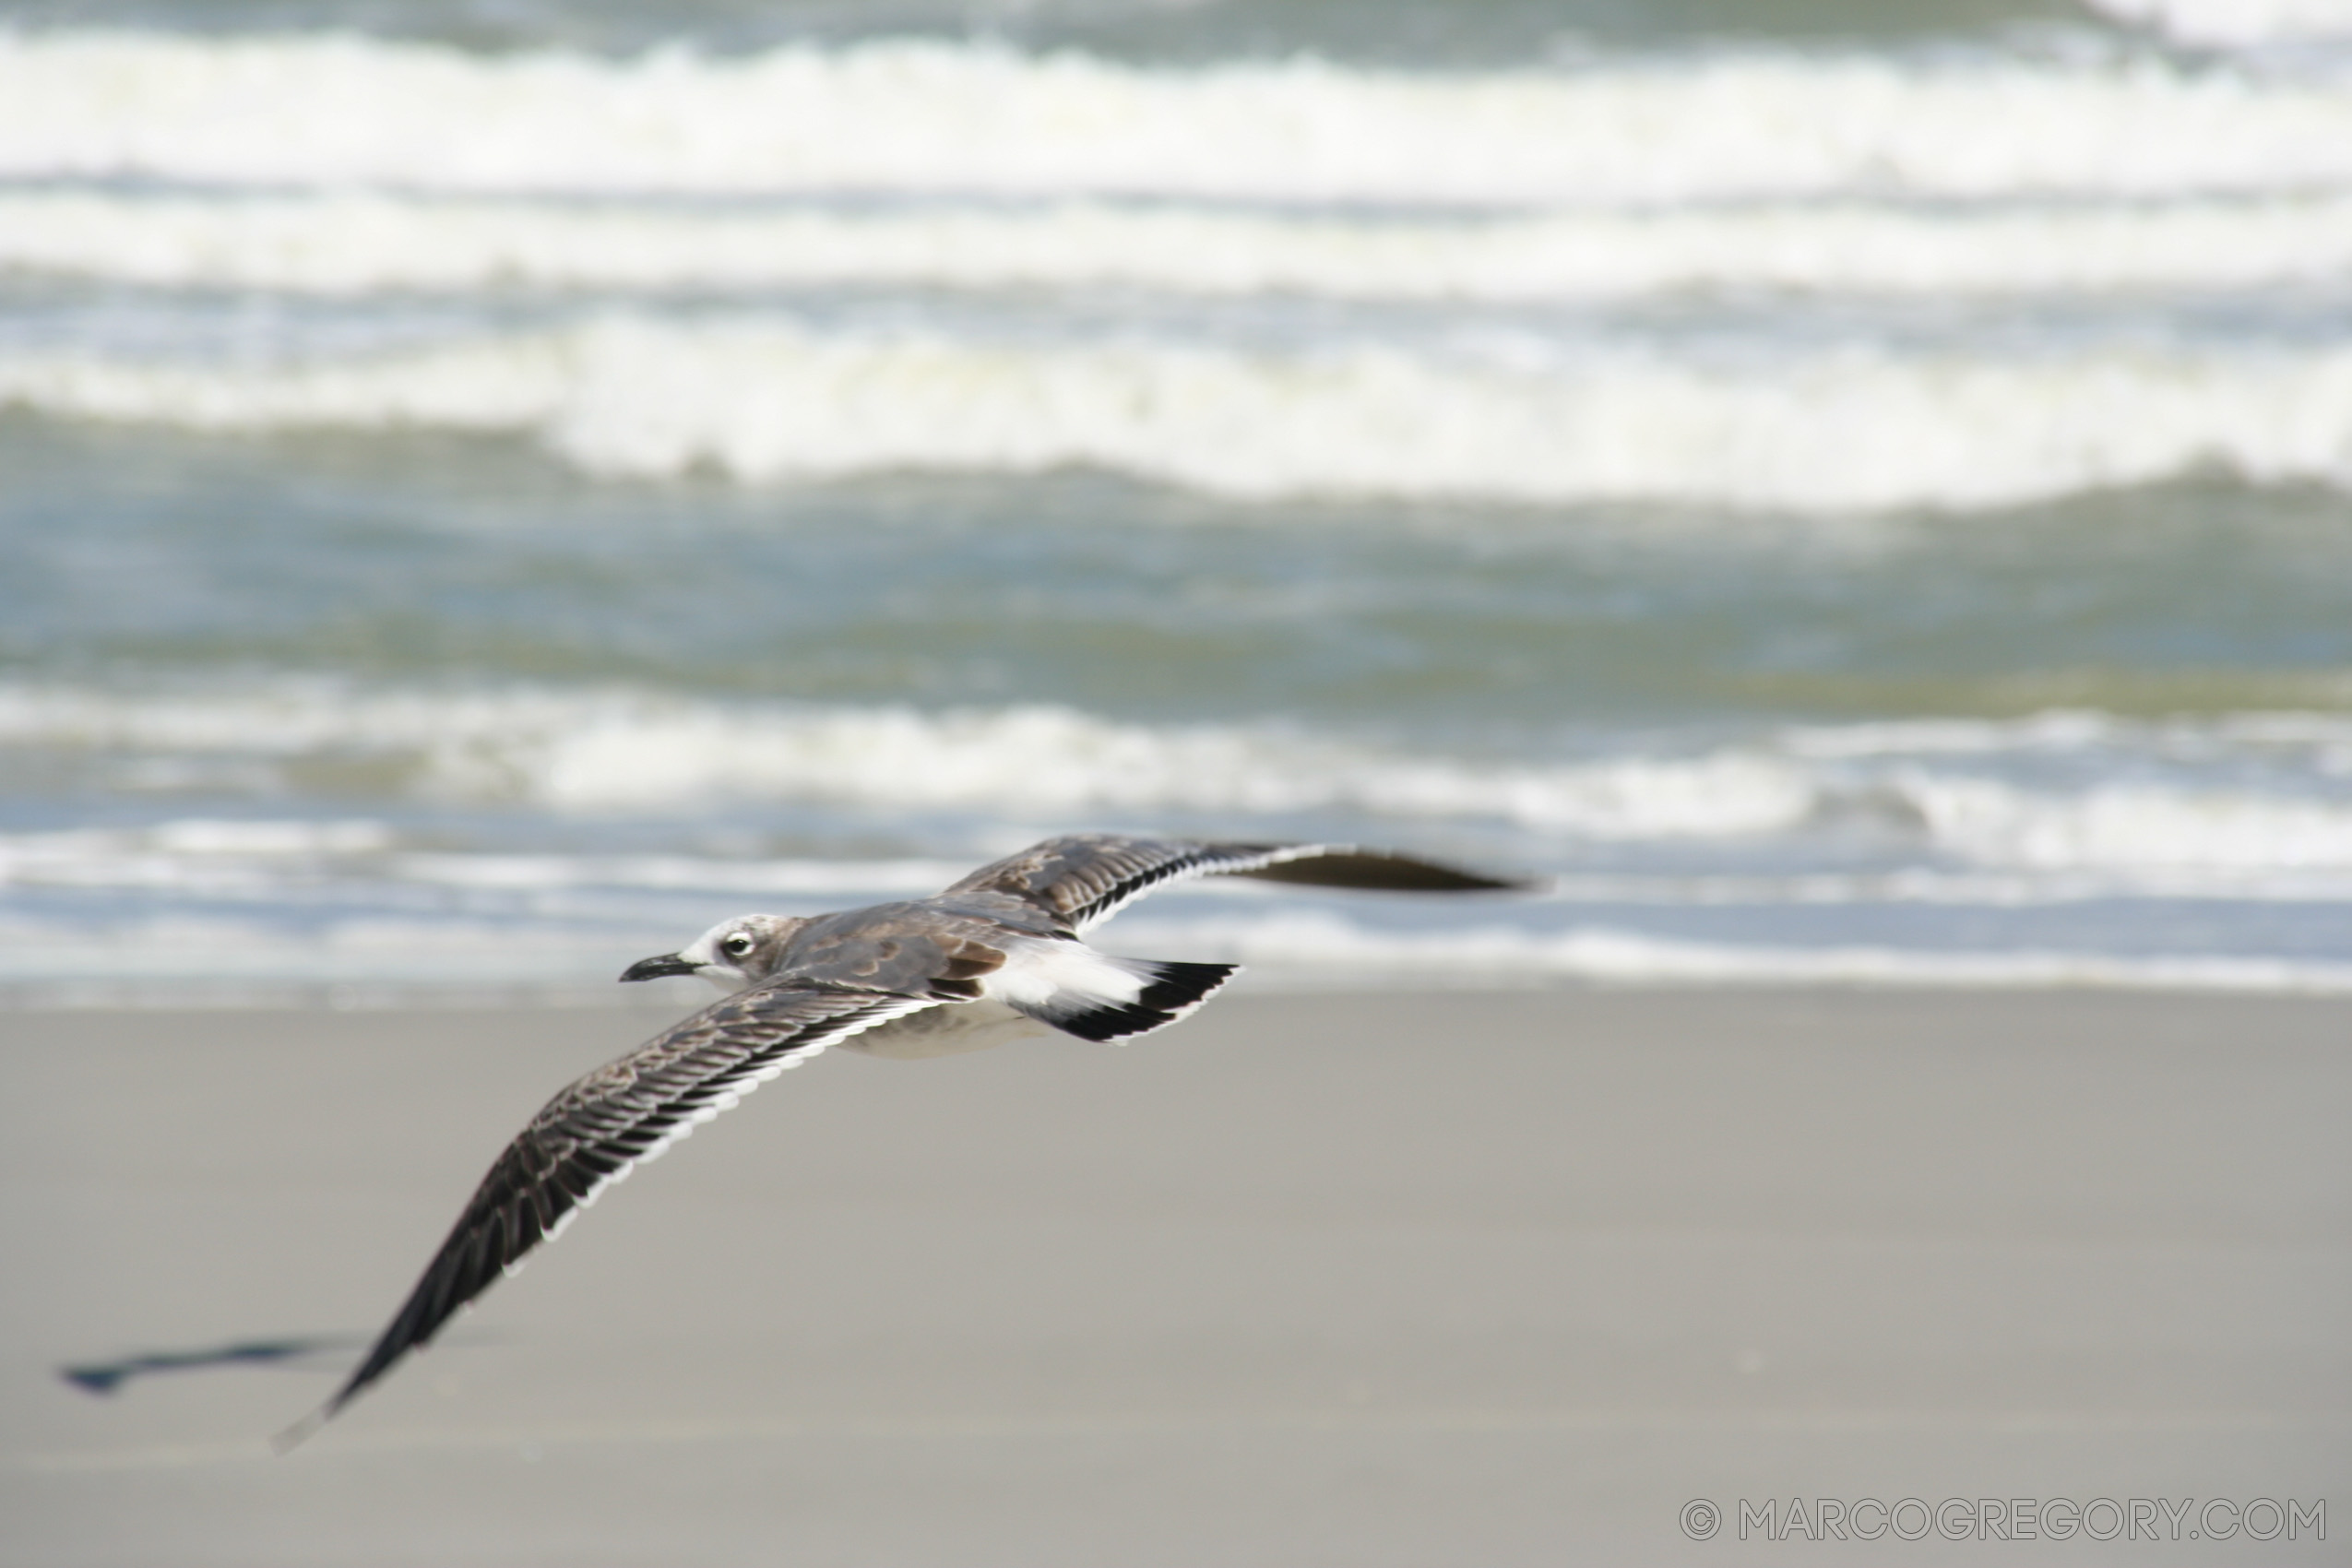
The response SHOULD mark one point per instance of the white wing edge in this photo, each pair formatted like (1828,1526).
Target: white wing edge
(1206,864)
(727,1101)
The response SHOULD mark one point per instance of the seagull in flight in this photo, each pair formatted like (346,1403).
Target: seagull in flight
(997,955)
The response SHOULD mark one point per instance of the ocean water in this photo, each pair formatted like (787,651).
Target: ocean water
(1853,491)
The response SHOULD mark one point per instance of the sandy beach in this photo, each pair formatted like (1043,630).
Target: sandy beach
(1423,1279)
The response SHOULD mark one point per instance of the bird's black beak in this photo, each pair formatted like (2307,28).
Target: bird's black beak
(654,969)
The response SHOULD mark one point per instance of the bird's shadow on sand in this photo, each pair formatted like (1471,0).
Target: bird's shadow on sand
(104,1378)
(320,1352)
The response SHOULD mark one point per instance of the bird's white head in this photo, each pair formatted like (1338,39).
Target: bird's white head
(731,954)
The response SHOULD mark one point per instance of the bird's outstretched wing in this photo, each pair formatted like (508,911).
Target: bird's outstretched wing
(596,1131)
(1086,877)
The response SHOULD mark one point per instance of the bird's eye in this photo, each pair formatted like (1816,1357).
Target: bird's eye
(738,946)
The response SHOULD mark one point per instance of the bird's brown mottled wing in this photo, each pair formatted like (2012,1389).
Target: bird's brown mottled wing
(909,949)
(595,1130)
(1086,877)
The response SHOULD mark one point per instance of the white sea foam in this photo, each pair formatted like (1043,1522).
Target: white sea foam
(578,884)
(927,117)
(767,400)
(2134,825)
(2320,742)
(360,960)
(355,243)
(269,862)
(188,855)
(1494,955)
(206,855)
(607,750)
(2056,729)
(1919,885)
(1949,815)
(2237,23)
(697,873)
(387,961)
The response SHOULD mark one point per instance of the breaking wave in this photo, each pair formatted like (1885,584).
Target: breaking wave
(608,751)
(603,752)
(1320,941)
(928,117)
(352,244)
(2236,23)
(387,962)
(1849,430)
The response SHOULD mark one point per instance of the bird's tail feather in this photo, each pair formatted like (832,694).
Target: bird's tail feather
(1161,993)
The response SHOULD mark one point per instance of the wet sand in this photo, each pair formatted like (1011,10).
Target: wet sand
(1436,1281)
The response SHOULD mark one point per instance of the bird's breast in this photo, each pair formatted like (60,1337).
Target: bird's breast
(945,1030)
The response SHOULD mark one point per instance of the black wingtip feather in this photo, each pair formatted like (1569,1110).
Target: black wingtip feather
(1172,990)
(1382,872)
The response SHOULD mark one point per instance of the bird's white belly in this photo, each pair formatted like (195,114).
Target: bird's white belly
(946,1030)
